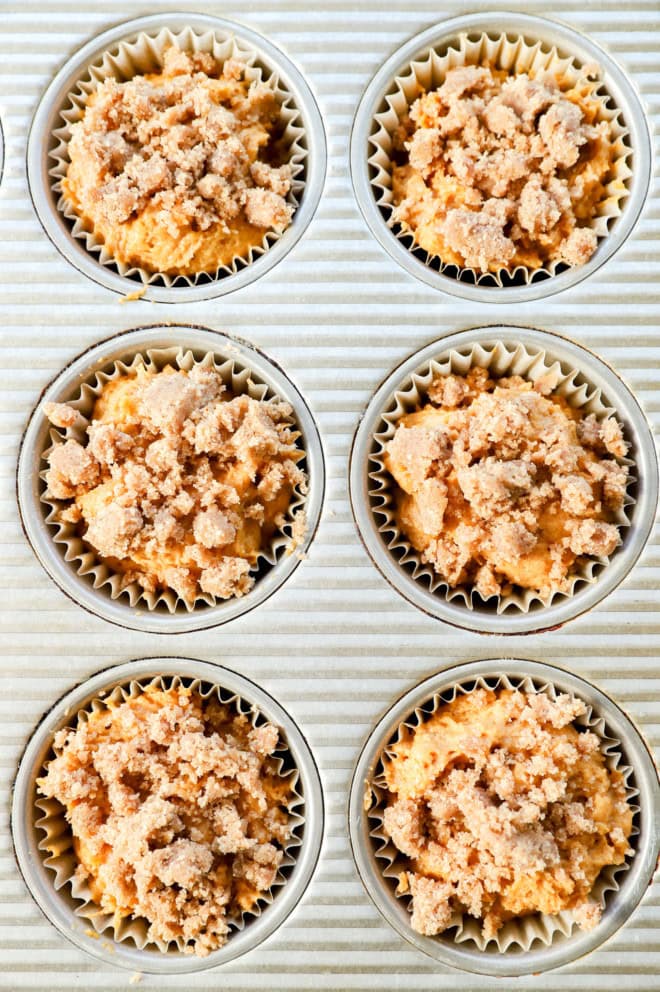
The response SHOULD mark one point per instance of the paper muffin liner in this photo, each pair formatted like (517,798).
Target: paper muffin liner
(514,53)
(85,559)
(500,359)
(56,843)
(144,54)
(522,933)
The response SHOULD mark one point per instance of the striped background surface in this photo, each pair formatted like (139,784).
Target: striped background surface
(336,645)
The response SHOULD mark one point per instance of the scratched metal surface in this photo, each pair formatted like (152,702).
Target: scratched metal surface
(336,645)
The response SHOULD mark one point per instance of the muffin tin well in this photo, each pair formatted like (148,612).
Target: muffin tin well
(62,554)
(553,947)
(508,349)
(371,138)
(40,871)
(46,154)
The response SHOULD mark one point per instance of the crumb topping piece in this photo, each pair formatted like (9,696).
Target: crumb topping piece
(179,485)
(499,485)
(177,809)
(501,808)
(494,170)
(180,171)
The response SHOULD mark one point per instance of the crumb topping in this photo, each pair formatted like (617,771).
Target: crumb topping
(495,170)
(503,808)
(177,810)
(176,483)
(498,485)
(180,171)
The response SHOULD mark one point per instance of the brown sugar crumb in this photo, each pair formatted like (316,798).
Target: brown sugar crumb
(499,485)
(61,415)
(180,171)
(492,171)
(177,810)
(180,485)
(502,808)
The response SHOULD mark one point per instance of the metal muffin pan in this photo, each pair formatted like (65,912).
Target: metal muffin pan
(633,882)
(60,907)
(47,119)
(594,371)
(337,644)
(551,33)
(65,386)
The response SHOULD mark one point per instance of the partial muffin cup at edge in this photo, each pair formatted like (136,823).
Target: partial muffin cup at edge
(525,945)
(136,48)
(502,352)
(44,842)
(75,565)
(518,44)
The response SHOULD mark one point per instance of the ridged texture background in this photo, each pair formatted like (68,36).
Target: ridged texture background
(336,645)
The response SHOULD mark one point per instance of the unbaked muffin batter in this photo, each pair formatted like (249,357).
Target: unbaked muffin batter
(183,170)
(494,170)
(179,485)
(499,486)
(177,811)
(503,808)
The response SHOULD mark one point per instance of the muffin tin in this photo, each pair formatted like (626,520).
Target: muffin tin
(335,644)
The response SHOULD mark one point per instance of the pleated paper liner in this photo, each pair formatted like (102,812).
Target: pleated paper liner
(84,559)
(501,358)
(56,843)
(145,54)
(521,934)
(517,54)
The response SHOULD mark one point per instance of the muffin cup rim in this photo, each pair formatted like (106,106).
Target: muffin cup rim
(37,532)
(638,875)
(39,880)
(626,97)
(545,618)
(37,161)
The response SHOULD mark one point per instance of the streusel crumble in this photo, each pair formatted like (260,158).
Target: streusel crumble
(499,486)
(182,170)
(178,484)
(177,809)
(503,809)
(496,170)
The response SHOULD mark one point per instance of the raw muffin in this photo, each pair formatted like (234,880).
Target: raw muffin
(500,487)
(494,170)
(502,809)
(178,484)
(180,171)
(177,810)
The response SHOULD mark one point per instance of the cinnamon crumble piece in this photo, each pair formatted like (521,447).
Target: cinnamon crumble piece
(180,484)
(501,484)
(493,170)
(61,415)
(501,808)
(177,810)
(180,171)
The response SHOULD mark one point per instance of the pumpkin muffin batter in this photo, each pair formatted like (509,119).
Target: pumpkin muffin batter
(179,485)
(503,808)
(494,170)
(177,811)
(498,485)
(180,171)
